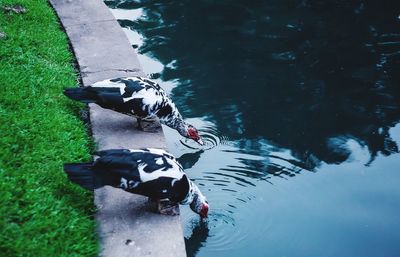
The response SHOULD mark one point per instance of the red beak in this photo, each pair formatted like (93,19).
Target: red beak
(200,142)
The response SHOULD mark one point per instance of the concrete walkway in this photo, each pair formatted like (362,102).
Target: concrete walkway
(126,224)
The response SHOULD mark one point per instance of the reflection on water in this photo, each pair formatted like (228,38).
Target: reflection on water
(280,90)
(198,238)
(299,73)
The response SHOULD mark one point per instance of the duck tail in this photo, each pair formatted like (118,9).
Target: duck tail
(81,94)
(81,174)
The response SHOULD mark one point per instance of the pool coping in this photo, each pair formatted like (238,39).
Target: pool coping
(126,223)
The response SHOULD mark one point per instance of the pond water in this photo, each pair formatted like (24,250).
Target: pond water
(299,105)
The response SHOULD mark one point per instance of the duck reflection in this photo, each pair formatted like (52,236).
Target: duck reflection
(188,160)
(198,238)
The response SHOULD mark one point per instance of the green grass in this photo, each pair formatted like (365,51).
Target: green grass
(41,212)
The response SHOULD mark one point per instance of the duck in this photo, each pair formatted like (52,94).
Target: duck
(139,97)
(151,172)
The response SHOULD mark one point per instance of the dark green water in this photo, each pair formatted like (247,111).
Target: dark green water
(299,104)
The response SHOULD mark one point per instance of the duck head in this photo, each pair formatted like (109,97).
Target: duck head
(199,204)
(192,133)
(189,131)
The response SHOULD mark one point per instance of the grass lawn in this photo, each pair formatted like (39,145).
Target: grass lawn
(41,213)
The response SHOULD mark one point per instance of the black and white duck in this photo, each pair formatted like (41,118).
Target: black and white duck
(138,97)
(151,172)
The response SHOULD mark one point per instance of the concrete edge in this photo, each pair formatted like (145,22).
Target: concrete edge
(127,225)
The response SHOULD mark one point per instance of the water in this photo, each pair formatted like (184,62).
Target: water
(298,103)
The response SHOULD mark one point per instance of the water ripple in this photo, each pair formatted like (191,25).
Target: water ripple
(211,138)
(217,221)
